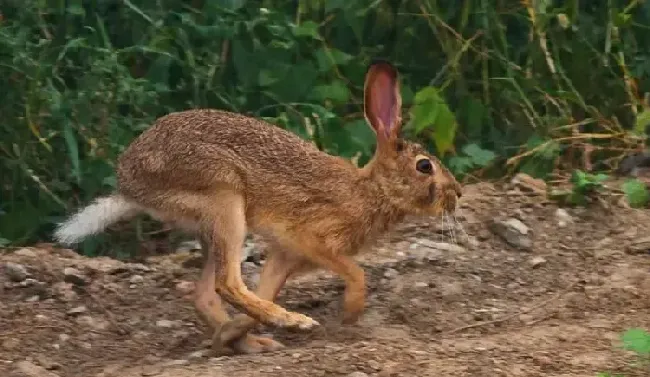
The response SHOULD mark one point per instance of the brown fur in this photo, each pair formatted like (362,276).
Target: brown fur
(221,174)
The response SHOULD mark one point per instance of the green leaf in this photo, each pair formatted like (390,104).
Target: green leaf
(431,110)
(460,164)
(337,91)
(232,4)
(474,111)
(307,29)
(478,155)
(327,58)
(266,78)
(73,150)
(636,193)
(637,340)
(642,121)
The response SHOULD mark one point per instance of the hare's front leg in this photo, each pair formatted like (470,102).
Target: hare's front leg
(315,251)
(226,230)
(354,299)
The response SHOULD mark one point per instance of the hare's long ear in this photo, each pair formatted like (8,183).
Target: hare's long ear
(382,101)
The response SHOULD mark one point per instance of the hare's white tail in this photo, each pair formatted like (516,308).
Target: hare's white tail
(94,218)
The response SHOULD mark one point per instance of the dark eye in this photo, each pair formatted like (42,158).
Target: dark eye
(424,166)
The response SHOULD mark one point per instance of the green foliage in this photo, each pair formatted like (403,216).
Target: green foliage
(637,341)
(518,82)
(636,193)
(585,185)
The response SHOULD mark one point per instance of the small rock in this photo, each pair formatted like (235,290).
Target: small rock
(173,363)
(15,272)
(639,246)
(451,290)
(442,246)
(77,310)
(198,354)
(165,323)
(86,345)
(358,374)
(92,323)
(28,369)
(10,344)
(186,246)
(529,184)
(33,298)
(25,252)
(28,282)
(421,284)
(391,273)
(563,217)
(537,262)
(63,291)
(513,231)
(185,287)
(74,276)
(374,364)
(136,279)
(64,337)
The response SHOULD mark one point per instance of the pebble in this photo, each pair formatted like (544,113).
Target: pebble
(421,284)
(77,310)
(15,272)
(74,276)
(198,354)
(441,246)
(64,337)
(563,217)
(179,362)
(29,369)
(185,287)
(391,273)
(358,374)
(537,262)
(514,232)
(91,322)
(165,323)
(63,291)
(25,252)
(136,279)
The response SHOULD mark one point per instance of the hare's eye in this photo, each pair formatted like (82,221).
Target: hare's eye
(424,166)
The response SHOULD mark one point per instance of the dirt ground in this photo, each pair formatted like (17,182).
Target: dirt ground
(554,306)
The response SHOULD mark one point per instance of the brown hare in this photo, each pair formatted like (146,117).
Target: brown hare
(218,175)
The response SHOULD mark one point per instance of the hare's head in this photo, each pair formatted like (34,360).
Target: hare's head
(409,176)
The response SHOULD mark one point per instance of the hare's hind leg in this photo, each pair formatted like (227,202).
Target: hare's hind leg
(211,309)
(226,231)
(279,267)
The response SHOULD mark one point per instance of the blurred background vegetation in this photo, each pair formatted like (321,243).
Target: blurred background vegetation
(492,87)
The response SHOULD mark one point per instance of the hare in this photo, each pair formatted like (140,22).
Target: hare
(219,174)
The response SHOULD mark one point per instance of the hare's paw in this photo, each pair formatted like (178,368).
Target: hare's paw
(350,318)
(248,344)
(256,344)
(292,320)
